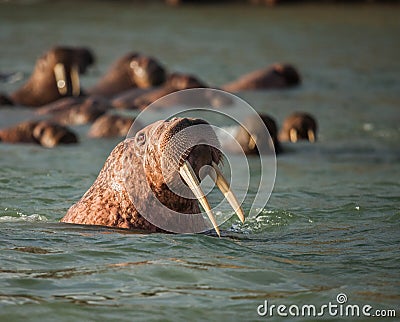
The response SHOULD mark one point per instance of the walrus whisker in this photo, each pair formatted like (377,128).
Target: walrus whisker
(228,193)
(189,176)
(76,87)
(61,80)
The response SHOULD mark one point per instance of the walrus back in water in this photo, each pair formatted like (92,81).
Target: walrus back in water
(275,76)
(138,176)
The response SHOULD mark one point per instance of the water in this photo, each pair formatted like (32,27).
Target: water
(331,225)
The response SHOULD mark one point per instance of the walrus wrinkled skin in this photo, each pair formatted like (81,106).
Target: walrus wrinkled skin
(56,75)
(45,133)
(276,76)
(299,126)
(136,164)
(110,126)
(130,71)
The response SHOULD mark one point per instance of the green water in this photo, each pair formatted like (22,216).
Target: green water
(331,225)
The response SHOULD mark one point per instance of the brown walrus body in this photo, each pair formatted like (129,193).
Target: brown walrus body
(276,76)
(299,126)
(130,71)
(140,99)
(174,83)
(109,126)
(139,173)
(75,110)
(56,75)
(45,133)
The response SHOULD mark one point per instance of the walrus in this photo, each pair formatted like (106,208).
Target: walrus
(110,125)
(275,76)
(173,83)
(252,137)
(75,110)
(45,133)
(56,75)
(133,70)
(140,172)
(299,126)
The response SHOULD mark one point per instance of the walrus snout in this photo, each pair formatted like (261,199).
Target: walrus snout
(190,145)
(67,64)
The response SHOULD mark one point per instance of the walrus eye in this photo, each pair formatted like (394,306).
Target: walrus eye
(140,138)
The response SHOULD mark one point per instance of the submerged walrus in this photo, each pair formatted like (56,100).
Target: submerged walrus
(139,172)
(141,98)
(276,76)
(174,83)
(299,126)
(75,110)
(110,126)
(130,71)
(45,133)
(56,75)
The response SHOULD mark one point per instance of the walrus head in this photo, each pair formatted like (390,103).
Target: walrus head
(252,137)
(184,81)
(146,71)
(45,133)
(152,180)
(299,126)
(288,73)
(68,63)
(56,75)
(49,134)
(132,70)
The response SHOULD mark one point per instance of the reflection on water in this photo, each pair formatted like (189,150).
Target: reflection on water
(331,224)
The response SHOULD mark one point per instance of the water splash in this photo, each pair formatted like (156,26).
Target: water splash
(266,220)
(20,217)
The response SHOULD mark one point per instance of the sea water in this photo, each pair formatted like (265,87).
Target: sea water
(329,234)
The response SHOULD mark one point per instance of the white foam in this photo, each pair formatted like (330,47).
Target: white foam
(23,218)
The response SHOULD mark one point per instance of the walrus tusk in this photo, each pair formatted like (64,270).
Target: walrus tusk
(76,87)
(188,175)
(226,190)
(59,73)
(252,141)
(311,136)
(293,135)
